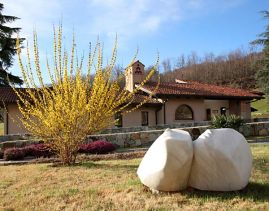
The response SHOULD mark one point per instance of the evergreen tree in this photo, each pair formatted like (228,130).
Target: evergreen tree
(263,73)
(7,49)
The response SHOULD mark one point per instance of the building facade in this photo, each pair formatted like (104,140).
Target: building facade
(170,103)
(184,101)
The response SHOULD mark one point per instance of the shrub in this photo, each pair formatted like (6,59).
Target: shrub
(38,150)
(14,154)
(229,121)
(1,154)
(97,147)
(76,104)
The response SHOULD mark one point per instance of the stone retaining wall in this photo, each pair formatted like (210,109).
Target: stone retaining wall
(18,143)
(140,138)
(176,125)
(255,129)
(155,127)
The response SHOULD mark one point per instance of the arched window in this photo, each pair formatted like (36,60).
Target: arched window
(184,112)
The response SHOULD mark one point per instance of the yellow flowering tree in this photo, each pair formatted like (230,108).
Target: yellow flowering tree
(74,105)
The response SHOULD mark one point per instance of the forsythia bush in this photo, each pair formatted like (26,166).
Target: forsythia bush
(72,107)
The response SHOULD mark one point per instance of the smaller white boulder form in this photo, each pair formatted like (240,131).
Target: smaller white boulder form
(166,165)
(222,161)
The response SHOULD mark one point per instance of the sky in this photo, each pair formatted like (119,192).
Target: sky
(170,27)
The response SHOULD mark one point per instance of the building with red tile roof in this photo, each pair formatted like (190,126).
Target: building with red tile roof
(196,89)
(170,103)
(182,101)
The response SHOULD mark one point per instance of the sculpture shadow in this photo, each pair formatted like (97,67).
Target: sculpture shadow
(254,191)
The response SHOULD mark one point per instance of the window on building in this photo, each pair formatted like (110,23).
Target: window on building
(118,118)
(145,118)
(208,114)
(184,112)
(223,111)
(138,70)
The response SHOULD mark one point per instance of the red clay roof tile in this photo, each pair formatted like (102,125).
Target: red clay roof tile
(192,88)
(7,95)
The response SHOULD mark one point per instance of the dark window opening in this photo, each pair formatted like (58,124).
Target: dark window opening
(208,114)
(223,111)
(138,70)
(145,118)
(184,112)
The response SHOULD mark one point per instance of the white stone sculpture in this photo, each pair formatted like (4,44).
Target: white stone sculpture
(166,165)
(222,161)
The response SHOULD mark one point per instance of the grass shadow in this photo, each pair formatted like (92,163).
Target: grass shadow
(96,165)
(254,191)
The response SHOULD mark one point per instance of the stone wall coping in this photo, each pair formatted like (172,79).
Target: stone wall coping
(146,131)
(257,123)
(142,138)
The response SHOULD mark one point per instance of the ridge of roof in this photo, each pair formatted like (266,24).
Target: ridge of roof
(194,88)
(191,89)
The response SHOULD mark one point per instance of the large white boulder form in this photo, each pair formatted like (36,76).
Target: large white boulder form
(222,161)
(167,163)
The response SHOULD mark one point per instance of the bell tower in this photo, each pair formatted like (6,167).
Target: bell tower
(134,75)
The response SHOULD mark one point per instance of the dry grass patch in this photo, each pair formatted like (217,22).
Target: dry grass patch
(113,185)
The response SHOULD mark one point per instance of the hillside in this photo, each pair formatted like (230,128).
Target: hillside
(236,69)
(263,108)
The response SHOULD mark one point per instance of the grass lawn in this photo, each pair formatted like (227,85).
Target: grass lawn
(263,108)
(1,128)
(113,185)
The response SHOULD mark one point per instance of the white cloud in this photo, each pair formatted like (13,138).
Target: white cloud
(129,18)
(33,14)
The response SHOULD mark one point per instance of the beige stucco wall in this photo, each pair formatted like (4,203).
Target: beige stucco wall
(245,109)
(234,107)
(237,107)
(135,118)
(131,119)
(160,116)
(12,122)
(197,106)
(215,106)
